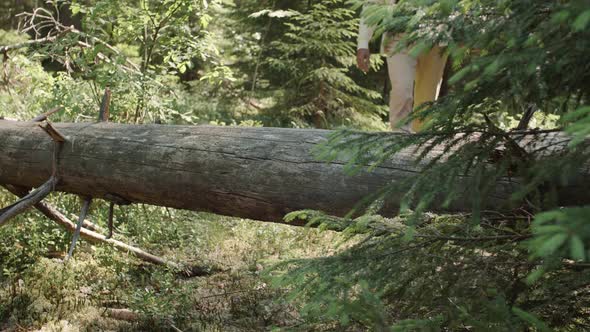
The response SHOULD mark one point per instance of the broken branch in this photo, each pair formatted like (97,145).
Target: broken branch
(44,116)
(83,213)
(27,201)
(52,132)
(91,236)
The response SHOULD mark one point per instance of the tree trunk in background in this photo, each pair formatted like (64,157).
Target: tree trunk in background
(258,173)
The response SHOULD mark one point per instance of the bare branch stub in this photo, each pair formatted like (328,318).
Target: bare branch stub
(111,215)
(103,115)
(116,199)
(44,116)
(52,132)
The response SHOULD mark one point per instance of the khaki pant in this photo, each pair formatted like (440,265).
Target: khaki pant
(413,82)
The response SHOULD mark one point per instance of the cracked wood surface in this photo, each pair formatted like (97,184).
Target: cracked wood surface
(257,173)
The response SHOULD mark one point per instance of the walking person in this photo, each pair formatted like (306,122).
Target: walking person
(414,81)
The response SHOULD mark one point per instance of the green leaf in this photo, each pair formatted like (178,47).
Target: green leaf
(420,48)
(552,244)
(577,250)
(560,17)
(582,21)
(549,229)
(530,318)
(447,6)
(75,8)
(460,74)
(577,114)
(492,68)
(471,85)
(546,217)
(344,319)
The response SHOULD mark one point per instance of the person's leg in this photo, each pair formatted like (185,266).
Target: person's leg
(429,73)
(402,70)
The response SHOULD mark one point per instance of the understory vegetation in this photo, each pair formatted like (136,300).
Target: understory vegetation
(227,293)
(515,112)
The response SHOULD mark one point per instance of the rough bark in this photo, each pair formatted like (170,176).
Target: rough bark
(258,173)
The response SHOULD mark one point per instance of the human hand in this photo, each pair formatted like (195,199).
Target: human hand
(363,59)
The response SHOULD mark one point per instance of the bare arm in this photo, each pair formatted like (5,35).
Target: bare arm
(363,54)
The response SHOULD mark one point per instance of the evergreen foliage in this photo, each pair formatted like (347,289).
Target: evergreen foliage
(520,77)
(314,55)
(303,54)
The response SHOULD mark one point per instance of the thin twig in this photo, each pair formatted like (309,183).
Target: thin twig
(475,238)
(27,43)
(83,214)
(111,213)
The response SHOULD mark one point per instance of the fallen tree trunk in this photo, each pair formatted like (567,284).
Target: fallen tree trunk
(258,173)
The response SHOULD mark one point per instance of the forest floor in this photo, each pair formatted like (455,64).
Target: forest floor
(39,292)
